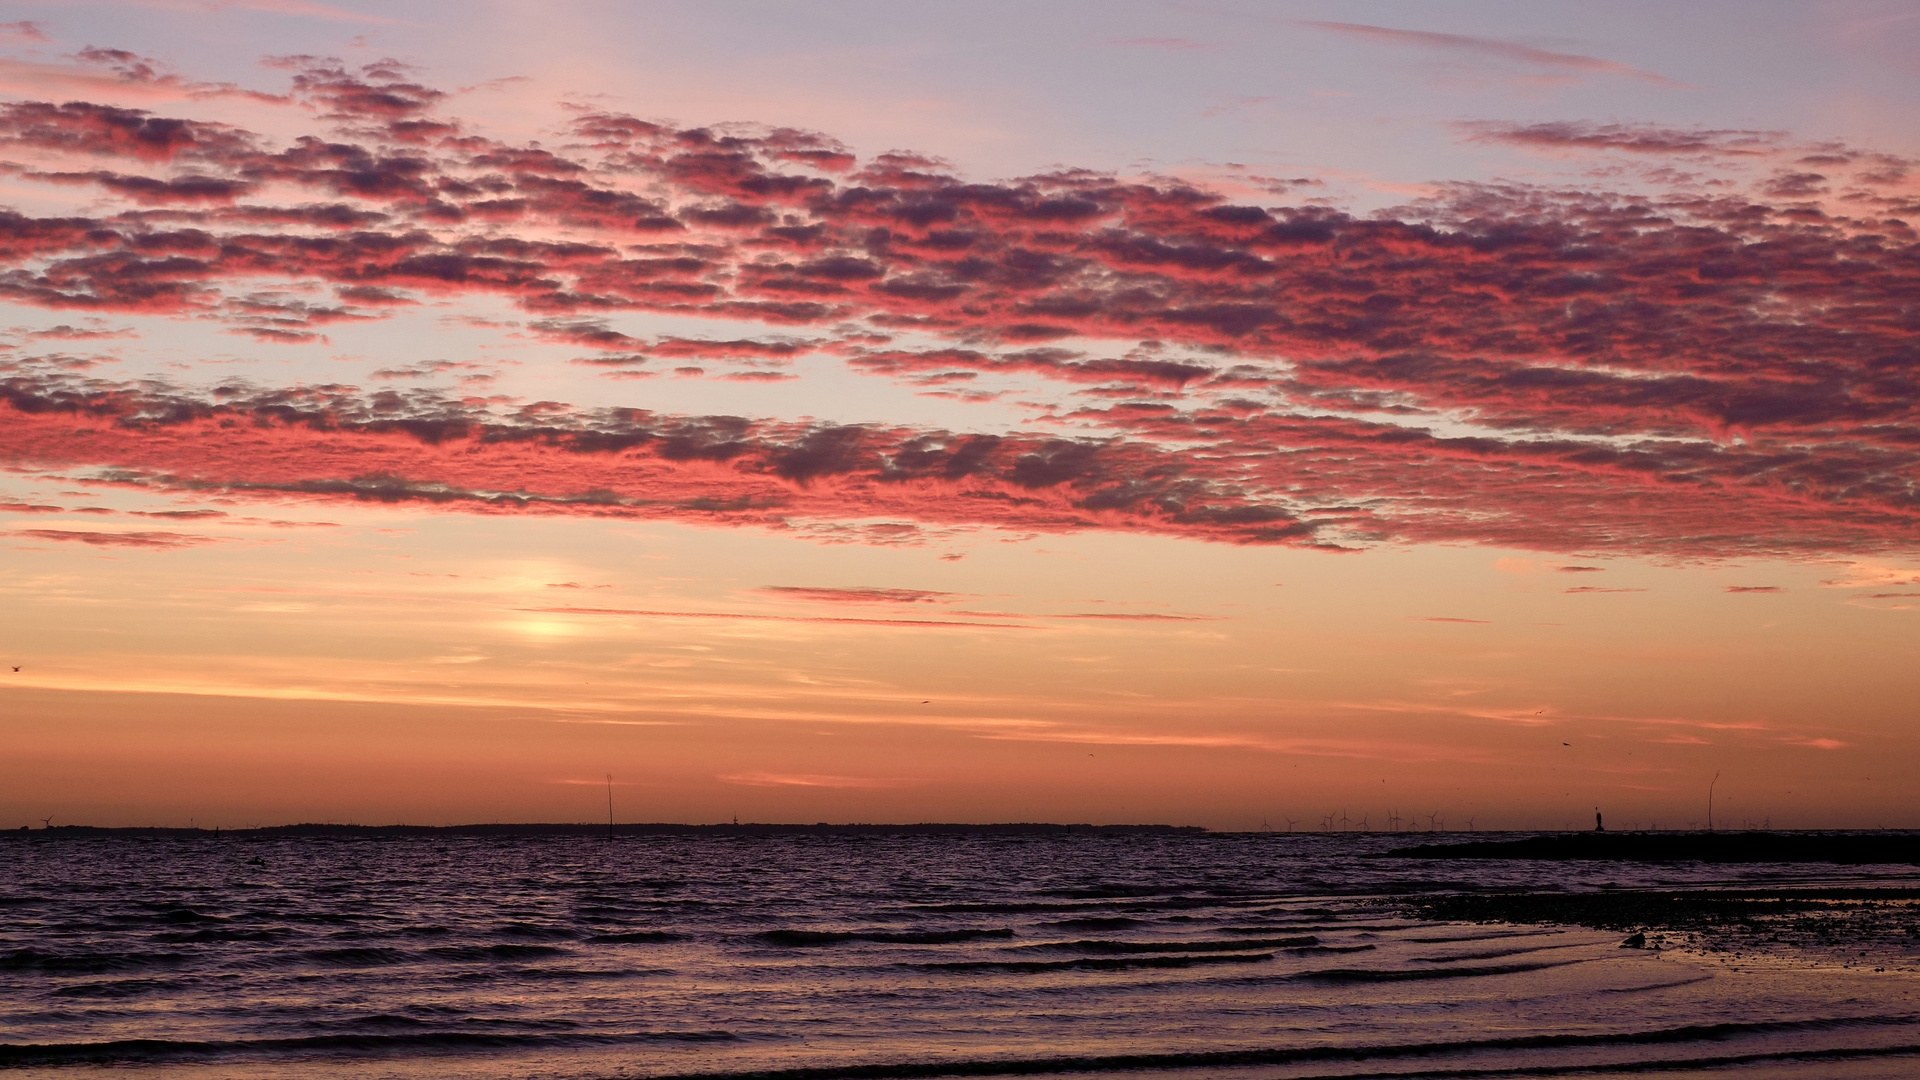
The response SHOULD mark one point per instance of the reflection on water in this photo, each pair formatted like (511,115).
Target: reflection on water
(1263,955)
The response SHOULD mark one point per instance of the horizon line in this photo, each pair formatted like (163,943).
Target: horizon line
(593,829)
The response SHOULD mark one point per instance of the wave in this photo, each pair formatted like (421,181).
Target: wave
(136,1051)
(587,974)
(1272,1056)
(1649,987)
(806,938)
(1378,975)
(1196,946)
(1495,954)
(1326,926)
(124,988)
(1014,907)
(1103,892)
(1488,936)
(352,957)
(1095,963)
(88,963)
(174,915)
(324,918)
(204,937)
(536,932)
(484,953)
(1114,922)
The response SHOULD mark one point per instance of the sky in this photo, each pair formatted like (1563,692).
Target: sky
(1252,415)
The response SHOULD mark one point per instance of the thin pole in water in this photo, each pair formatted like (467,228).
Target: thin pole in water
(609,806)
(1716,779)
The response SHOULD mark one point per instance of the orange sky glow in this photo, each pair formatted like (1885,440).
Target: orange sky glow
(383,444)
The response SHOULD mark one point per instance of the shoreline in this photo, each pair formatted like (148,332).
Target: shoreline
(1843,847)
(1855,927)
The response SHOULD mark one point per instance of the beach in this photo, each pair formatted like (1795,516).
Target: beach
(823,955)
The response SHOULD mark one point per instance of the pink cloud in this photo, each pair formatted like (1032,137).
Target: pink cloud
(1491,48)
(1125,616)
(1673,374)
(1819,744)
(832,620)
(859,594)
(812,780)
(1629,138)
(152,540)
(25,30)
(63,332)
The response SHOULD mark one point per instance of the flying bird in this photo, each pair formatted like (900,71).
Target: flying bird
(1566,744)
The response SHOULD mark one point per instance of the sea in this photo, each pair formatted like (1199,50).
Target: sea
(818,957)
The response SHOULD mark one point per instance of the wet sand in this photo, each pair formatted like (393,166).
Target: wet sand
(1873,928)
(1840,848)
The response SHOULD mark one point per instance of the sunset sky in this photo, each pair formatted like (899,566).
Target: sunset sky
(1233,414)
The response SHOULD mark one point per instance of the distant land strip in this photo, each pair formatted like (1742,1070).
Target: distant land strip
(269,832)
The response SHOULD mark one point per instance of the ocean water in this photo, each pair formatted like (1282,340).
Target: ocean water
(1265,955)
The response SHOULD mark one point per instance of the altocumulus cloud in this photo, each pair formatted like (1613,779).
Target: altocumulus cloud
(1680,373)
